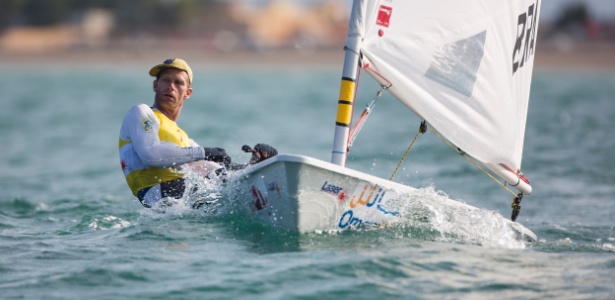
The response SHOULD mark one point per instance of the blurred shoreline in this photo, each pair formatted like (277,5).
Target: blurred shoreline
(578,57)
(243,34)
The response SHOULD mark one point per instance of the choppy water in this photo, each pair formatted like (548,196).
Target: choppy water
(70,228)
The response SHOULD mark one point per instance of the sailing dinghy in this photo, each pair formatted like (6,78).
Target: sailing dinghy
(464,67)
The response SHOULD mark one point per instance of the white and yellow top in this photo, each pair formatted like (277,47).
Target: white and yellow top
(152,147)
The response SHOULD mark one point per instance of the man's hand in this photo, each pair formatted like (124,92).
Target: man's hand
(260,152)
(217,154)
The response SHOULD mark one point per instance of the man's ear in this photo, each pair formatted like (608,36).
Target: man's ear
(188,93)
(155,85)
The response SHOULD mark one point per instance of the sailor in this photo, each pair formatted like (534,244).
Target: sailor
(155,152)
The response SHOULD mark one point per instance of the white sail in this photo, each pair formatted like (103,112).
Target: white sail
(463,66)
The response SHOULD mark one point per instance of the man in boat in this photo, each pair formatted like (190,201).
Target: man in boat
(155,152)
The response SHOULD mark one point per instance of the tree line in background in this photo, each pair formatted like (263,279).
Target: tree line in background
(129,15)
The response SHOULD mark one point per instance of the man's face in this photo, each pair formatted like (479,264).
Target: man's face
(172,88)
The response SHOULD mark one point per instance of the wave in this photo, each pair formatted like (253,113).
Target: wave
(424,216)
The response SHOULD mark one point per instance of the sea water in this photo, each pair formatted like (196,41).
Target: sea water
(70,228)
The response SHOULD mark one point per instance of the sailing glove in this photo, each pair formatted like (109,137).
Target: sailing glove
(217,154)
(260,152)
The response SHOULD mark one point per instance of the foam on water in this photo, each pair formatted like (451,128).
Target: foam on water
(426,214)
(430,214)
(108,222)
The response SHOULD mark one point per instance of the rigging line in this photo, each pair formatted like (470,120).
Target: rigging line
(354,101)
(472,161)
(351,50)
(422,129)
(365,114)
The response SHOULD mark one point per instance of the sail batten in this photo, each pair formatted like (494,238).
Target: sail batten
(464,66)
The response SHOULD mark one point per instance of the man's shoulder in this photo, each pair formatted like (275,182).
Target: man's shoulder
(139,116)
(138,112)
(140,109)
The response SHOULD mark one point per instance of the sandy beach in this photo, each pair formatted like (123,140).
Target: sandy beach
(591,57)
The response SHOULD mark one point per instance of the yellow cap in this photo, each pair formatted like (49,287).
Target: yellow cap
(175,63)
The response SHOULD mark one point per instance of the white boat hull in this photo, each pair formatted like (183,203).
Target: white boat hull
(304,194)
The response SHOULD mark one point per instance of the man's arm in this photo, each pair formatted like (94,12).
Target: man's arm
(143,127)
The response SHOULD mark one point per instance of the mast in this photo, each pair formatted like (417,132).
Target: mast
(348,85)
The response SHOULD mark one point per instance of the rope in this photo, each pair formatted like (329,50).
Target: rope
(365,114)
(354,101)
(422,129)
(472,161)
(516,205)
